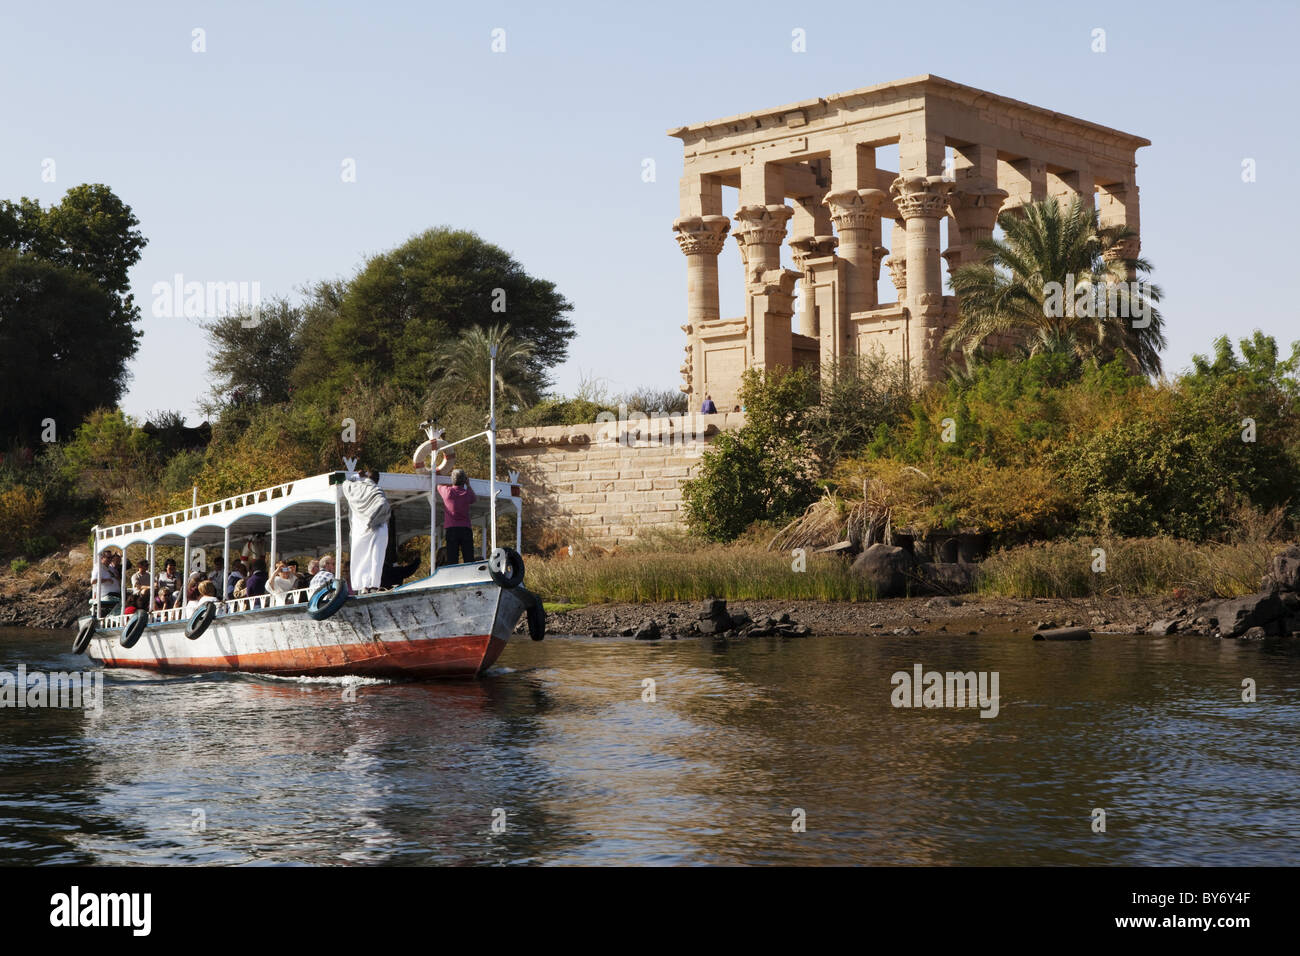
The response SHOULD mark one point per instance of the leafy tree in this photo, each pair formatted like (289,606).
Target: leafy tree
(463,368)
(798,424)
(63,347)
(253,357)
(65,305)
(1042,281)
(390,321)
(91,231)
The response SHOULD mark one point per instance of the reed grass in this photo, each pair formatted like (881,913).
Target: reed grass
(1135,567)
(747,573)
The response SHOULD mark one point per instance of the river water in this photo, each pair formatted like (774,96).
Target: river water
(557,757)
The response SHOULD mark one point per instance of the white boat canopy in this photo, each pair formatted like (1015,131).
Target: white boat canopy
(303,516)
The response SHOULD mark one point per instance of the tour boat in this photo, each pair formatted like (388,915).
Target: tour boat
(453,623)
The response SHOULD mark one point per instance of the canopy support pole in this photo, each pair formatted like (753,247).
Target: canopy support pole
(338,532)
(95,568)
(225,566)
(270,568)
(492,448)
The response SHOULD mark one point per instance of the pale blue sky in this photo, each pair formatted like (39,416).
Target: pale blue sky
(231,158)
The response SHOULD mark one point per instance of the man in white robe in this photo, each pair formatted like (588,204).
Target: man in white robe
(368,514)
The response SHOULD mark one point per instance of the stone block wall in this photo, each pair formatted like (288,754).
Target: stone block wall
(605,483)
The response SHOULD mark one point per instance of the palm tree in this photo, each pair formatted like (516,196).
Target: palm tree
(461,369)
(1056,279)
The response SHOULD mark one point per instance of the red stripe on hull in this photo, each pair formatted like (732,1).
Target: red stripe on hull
(433,657)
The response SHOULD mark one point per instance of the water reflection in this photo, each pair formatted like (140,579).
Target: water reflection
(740,736)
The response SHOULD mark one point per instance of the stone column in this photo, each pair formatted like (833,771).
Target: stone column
(760,232)
(807,250)
(856,214)
(975,205)
(897,261)
(1119,208)
(769,289)
(701,238)
(922,201)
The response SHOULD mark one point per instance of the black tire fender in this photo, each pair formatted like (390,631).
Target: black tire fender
(327,600)
(506,567)
(134,628)
(84,633)
(200,619)
(536,621)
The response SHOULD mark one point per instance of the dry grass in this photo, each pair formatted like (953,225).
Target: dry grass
(745,573)
(1137,567)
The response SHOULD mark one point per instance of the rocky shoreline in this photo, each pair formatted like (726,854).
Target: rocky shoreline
(54,597)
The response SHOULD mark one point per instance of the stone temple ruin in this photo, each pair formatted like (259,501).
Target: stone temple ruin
(808,171)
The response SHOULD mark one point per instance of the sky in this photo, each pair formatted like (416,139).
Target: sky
(235,158)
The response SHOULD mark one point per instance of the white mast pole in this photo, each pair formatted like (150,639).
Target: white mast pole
(492,442)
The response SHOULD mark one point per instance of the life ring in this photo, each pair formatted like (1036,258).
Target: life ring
(134,628)
(327,600)
(422,455)
(506,567)
(84,634)
(200,619)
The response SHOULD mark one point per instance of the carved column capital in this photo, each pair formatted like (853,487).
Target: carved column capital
(898,274)
(855,208)
(975,206)
(878,254)
(774,282)
(803,248)
(761,225)
(921,197)
(701,235)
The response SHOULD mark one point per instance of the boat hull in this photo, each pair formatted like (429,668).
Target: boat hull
(420,632)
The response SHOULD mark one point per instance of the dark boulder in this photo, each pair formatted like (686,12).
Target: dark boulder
(887,568)
(947,578)
(1285,570)
(1238,615)
(648,631)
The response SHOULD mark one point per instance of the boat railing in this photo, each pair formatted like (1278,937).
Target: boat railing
(201,511)
(230,606)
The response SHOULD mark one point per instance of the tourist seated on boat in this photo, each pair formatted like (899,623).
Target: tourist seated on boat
(207,595)
(218,577)
(141,577)
(136,599)
(256,585)
(282,582)
(313,568)
(325,575)
(299,579)
(167,577)
(192,586)
(163,598)
(236,579)
(108,579)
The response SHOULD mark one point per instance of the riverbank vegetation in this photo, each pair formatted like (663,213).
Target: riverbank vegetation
(1072,443)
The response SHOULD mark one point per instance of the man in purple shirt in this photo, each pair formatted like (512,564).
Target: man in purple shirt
(456,499)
